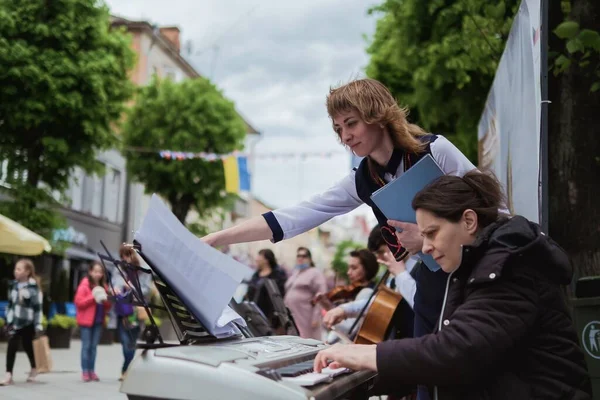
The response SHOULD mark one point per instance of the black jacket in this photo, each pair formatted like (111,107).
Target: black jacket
(505,331)
(258,293)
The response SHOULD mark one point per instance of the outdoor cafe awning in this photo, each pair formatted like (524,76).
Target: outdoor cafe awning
(16,239)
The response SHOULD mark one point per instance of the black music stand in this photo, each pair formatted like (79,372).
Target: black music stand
(188,328)
(280,311)
(257,322)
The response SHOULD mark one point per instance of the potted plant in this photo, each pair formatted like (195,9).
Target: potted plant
(60,329)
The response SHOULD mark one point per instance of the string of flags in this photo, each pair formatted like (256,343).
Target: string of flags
(235,164)
(181,155)
(235,167)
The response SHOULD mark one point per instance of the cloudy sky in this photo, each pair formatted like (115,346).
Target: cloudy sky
(276,60)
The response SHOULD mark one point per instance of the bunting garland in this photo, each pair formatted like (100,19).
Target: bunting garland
(235,164)
(180,155)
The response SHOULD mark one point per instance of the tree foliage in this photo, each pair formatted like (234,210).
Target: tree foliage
(573,143)
(35,208)
(339,264)
(63,83)
(191,116)
(581,46)
(439,58)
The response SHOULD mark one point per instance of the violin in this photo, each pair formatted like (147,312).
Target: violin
(339,294)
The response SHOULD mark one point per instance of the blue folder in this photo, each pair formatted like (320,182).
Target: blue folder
(395,199)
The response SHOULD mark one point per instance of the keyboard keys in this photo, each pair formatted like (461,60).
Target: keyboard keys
(296,369)
(302,373)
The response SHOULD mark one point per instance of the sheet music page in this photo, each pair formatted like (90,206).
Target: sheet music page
(202,276)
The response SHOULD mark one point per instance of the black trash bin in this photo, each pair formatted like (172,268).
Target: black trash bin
(586,314)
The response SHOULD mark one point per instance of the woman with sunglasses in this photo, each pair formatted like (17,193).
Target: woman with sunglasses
(300,288)
(369,121)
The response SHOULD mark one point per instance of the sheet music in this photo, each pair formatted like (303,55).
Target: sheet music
(202,276)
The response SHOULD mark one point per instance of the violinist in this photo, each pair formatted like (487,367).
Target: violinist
(362,268)
(402,281)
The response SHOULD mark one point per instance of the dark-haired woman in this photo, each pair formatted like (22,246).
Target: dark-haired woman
(266,268)
(362,268)
(92,305)
(504,330)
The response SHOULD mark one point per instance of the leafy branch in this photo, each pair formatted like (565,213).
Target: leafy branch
(582,46)
(339,263)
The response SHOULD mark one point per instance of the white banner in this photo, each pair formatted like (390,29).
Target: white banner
(509,129)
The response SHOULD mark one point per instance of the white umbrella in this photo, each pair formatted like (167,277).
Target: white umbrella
(16,239)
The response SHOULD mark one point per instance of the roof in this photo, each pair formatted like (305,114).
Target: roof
(161,40)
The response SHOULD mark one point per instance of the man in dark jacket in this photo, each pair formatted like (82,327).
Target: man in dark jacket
(505,331)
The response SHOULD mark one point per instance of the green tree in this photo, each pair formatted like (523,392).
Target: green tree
(191,116)
(439,58)
(573,143)
(63,83)
(339,264)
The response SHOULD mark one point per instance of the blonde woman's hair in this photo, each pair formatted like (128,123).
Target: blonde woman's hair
(30,267)
(376,105)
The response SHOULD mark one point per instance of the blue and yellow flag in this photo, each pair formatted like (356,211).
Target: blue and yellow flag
(237,176)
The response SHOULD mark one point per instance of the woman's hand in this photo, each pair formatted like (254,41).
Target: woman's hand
(321,298)
(334,317)
(409,236)
(210,239)
(395,267)
(353,356)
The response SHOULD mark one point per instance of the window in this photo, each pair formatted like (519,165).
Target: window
(10,173)
(112,181)
(171,73)
(93,191)
(77,189)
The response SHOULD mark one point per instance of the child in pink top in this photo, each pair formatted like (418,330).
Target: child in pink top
(91,302)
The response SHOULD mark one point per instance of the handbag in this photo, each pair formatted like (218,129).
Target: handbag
(42,355)
(123,306)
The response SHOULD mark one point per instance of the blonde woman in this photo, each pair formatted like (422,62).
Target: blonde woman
(367,120)
(23,316)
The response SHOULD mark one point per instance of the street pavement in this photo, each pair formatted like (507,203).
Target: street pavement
(64,381)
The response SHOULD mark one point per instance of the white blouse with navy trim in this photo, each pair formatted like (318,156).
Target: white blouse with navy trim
(342,198)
